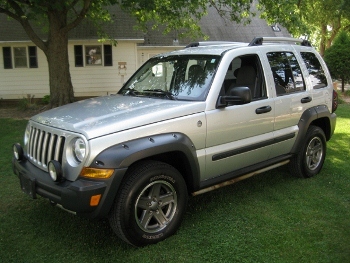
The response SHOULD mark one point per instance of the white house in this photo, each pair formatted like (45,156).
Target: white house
(101,68)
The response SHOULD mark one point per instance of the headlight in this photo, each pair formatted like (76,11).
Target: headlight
(79,149)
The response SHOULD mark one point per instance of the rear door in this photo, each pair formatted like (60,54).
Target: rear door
(291,98)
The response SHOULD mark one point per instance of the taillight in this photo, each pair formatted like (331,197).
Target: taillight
(334,101)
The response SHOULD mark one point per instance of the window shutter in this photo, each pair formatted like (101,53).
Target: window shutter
(108,55)
(78,53)
(33,60)
(7,57)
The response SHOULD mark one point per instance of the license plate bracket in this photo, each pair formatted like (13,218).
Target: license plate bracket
(28,185)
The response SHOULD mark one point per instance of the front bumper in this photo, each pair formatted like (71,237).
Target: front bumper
(73,196)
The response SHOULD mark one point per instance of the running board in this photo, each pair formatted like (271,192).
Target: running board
(235,180)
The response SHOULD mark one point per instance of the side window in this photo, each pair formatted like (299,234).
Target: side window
(246,71)
(286,73)
(318,78)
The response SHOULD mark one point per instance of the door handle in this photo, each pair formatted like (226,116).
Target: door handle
(263,109)
(306,99)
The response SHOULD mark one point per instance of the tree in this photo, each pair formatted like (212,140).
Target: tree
(337,58)
(61,16)
(319,20)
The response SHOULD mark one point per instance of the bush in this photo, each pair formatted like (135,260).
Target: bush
(26,103)
(46,99)
(337,58)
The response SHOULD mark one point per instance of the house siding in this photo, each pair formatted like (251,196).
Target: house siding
(98,80)
(95,80)
(17,83)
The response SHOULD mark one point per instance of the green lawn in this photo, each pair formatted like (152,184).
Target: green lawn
(271,217)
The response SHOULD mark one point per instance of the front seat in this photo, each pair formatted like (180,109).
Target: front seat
(246,77)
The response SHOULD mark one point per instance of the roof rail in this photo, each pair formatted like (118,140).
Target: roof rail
(210,43)
(258,41)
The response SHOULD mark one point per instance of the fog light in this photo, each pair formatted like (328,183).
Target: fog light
(18,151)
(55,171)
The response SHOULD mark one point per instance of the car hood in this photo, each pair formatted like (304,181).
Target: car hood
(104,115)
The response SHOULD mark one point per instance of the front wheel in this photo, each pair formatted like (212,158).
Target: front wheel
(150,205)
(310,158)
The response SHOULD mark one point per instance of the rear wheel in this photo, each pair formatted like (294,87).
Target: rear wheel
(150,205)
(310,158)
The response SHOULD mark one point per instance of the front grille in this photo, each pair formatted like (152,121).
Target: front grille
(44,146)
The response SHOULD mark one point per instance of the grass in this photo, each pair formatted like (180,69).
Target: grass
(271,217)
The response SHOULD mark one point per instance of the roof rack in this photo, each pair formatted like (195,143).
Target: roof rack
(211,43)
(258,41)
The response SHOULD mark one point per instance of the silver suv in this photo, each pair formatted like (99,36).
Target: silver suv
(186,122)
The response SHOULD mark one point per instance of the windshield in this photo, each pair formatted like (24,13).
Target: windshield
(173,77)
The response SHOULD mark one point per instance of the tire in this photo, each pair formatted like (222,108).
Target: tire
(150,204)
(310,158)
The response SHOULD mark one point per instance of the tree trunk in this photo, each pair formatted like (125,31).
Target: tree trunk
(323,39)
(61,88)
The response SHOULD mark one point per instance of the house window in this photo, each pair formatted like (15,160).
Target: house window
(108,55)
(93,55)
(78,53)
(33,60)
(6,51)
(20,57)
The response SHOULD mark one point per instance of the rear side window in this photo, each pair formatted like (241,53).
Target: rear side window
(286,73)
(317,75)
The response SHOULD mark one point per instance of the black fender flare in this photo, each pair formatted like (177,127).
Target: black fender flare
(309,116)
(122,155)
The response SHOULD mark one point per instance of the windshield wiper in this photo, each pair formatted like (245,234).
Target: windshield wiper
(131,92)
(166,94)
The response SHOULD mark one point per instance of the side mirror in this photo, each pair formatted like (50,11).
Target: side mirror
(235,96)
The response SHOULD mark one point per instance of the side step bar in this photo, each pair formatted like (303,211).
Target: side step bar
(235,180)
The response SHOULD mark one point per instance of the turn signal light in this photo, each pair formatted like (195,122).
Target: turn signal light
(95,200)
(96,173)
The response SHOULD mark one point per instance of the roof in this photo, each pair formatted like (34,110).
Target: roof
(221,30)
(123,28)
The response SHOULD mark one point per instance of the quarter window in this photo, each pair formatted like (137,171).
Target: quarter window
(286,72)
(316,72)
